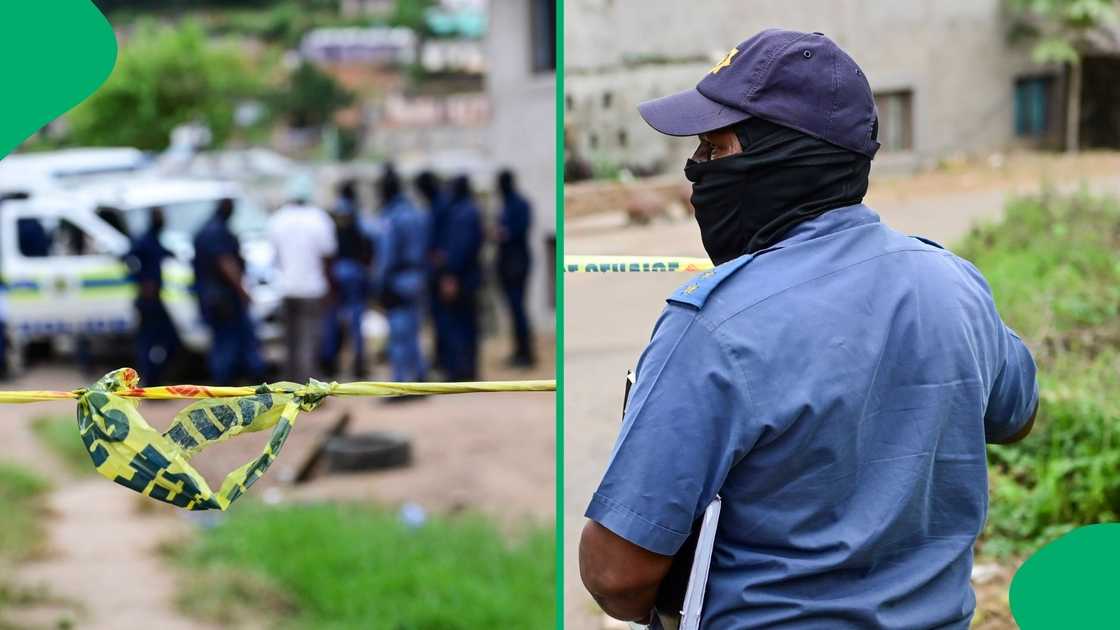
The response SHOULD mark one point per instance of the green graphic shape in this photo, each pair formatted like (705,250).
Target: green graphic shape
(53,54)
(1070,582)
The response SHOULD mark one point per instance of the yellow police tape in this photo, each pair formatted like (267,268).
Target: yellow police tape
(634,264)
(126,449)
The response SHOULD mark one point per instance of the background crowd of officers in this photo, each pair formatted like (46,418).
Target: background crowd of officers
(418,256)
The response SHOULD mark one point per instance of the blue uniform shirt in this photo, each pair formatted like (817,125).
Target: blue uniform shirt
(146,258)
(438,218)
(464,245)
(213,241)
(836,391)
(516,219)
(402,249)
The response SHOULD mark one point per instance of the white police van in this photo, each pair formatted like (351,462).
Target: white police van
(28,174)
(61,258)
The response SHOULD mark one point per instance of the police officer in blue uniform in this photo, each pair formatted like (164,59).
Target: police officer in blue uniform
(833,381)
(401,277)
(223,301)
(514,264)
(156,337)
(350,278)
(439,210)
(462,279)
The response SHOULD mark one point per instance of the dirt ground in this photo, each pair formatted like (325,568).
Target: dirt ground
(608,318)
(493,453)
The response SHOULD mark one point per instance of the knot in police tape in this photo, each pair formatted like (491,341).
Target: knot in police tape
(127,450)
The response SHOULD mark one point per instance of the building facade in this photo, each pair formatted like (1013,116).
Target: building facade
(946,78)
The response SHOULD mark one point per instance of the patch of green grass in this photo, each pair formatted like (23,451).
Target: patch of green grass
(359,567)
(21,532)
(234,597)
(1055,273)
(60,435)
(20,512)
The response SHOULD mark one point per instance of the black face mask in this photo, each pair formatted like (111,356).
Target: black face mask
(749,201)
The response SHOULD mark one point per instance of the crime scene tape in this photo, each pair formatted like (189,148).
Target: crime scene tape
(634,264)
(127,450)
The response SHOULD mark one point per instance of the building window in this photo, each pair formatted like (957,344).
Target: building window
(623,138)
(544,35)
(1032,106)
(608,99)
(896,119)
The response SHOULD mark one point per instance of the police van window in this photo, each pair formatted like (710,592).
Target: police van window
(34,240)
(184,219)
(114,217)
(71,240)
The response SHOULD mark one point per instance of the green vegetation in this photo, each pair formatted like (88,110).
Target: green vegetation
(280,22)
(1053,268)
(20,494)
(311,98)
(358,567)
(21,533)
(166,76)
(60,435)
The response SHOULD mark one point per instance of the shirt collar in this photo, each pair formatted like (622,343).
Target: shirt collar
(830,222)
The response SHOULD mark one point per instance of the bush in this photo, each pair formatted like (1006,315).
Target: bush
(311,97)
(166,76)
(1055,274)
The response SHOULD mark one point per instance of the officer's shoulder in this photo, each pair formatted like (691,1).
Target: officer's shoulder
(695,292)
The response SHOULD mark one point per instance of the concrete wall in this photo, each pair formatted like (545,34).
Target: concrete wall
(523,135)
(953,55)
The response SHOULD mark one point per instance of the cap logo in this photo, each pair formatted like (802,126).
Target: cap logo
(726,61)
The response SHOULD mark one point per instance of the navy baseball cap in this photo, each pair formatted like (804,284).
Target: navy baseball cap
(799,80)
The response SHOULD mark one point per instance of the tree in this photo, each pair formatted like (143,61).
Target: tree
(312,97)
(1062,32)
(412,14)
(166,76)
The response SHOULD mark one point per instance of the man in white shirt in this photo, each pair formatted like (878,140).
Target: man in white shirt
(304,238)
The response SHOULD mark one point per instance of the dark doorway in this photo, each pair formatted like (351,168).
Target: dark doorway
(1100,103)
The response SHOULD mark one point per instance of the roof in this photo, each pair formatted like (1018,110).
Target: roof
(143,192)
(75,161)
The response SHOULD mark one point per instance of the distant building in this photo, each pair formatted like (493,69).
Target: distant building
(521,82)
(946,79)
(356,8)
(374,45)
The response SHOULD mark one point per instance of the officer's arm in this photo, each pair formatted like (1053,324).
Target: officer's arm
(621,576)
(229,267)
(1022,433)
(1013,402)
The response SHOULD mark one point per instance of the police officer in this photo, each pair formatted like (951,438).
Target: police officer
(461,280)
(223,301)
(833,380)
(514,263)
(438,213)
(401,277)
(349,272)
(156,339)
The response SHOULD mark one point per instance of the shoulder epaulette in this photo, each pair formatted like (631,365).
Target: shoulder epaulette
(928,241)
(696,291)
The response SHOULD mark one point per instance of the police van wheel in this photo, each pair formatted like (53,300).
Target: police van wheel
(375,450)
